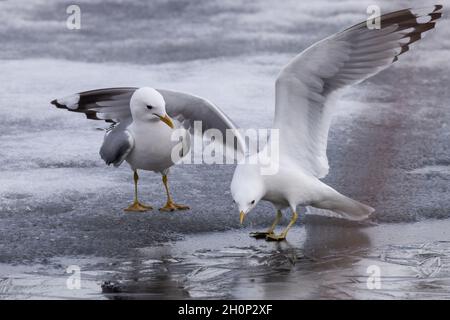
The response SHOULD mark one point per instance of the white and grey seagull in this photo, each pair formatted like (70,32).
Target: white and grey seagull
(144,120)
(304,94)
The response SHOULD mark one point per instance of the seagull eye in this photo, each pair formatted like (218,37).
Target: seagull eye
(253,202)
(149,107)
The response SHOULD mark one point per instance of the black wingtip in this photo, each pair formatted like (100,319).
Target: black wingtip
(57,104)
(438,7)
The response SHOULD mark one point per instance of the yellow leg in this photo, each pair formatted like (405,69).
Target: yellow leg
(264,234)
(282,235)
(170,205)
(137,206)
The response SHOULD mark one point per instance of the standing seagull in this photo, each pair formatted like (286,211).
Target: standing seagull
(143,123)
(303,105)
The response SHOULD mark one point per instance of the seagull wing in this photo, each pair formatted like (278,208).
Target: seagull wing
(113,105)
(304,86)
(188,109)
(117,144)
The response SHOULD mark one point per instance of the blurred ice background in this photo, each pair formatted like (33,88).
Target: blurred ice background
(389,145)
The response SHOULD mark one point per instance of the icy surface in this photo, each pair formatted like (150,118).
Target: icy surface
(319,261)
(178,30)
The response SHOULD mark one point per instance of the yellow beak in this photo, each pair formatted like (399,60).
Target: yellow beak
(241,216)
(166,120)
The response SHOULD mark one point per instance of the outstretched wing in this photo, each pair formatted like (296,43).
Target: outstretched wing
(188,109)
(113,105)
(305,85)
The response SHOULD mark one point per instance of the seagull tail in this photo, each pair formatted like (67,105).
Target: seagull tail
(342,207)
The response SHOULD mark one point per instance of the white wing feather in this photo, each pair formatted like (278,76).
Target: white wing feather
(305,86)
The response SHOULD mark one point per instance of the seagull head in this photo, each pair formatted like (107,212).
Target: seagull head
(147,104)
(247,188)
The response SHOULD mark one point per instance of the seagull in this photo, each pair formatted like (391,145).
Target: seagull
(305,91)
(143,122)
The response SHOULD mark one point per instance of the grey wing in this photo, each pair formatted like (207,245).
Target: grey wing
(110,104)
(188,108)
(113,105)
(117,144)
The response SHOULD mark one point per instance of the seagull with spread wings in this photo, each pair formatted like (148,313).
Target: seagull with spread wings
(144,121)
(305,91)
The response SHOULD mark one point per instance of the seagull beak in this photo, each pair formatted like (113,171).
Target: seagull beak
(166,120)
(241,216)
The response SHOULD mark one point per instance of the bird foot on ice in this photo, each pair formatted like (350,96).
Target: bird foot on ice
(170,206)
(273,237)
(260,235)
(138,207)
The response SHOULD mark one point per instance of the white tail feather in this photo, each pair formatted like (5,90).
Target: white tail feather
(340,206)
